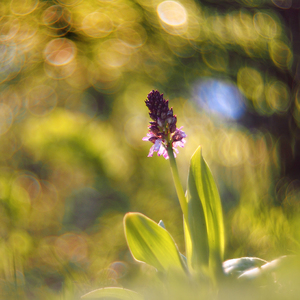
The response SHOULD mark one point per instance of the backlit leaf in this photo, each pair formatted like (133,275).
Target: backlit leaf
(205,217)
(150,243)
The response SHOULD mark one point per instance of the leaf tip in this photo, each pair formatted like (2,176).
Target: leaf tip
(198,150)
(128,215)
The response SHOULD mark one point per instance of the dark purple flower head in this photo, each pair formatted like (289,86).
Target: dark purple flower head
(162,131)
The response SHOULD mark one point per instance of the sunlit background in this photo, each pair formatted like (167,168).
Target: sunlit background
(74,76)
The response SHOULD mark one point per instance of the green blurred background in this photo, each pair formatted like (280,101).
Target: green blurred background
(74,76)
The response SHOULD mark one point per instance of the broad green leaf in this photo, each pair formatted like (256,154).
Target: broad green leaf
(150,243)
(161,224)
(205,217)
(195,233)
(113,293)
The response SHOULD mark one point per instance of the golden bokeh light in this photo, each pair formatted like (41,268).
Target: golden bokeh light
(172,13)
(216,59)
(20,241)
(60,71)
(132,35)
(9,26)
(251,83)
(25,34)
(173,17)
(20,7)
(284,4)
(233,148)
(69,2)
(281,54)
(6,117)
(60,52)
(58,19)
(12,98)
(278,96)
(97,25)
(41,100)
(265,25)
(113,53)
(29,184)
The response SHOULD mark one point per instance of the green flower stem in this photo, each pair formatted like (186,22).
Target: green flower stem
(178,186)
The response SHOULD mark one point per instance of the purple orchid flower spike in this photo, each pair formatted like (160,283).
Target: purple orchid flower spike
(162,131)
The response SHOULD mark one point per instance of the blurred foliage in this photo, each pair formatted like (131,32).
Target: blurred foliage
(74,75)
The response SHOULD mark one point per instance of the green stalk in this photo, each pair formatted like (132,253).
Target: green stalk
(177,183)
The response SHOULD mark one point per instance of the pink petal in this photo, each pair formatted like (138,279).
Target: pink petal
(149,135)
(157,145)
(179,143)
(161,151)
(151,151)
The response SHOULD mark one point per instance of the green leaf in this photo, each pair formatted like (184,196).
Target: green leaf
(205,238)
(113,293)
(150,243)
(195,233)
